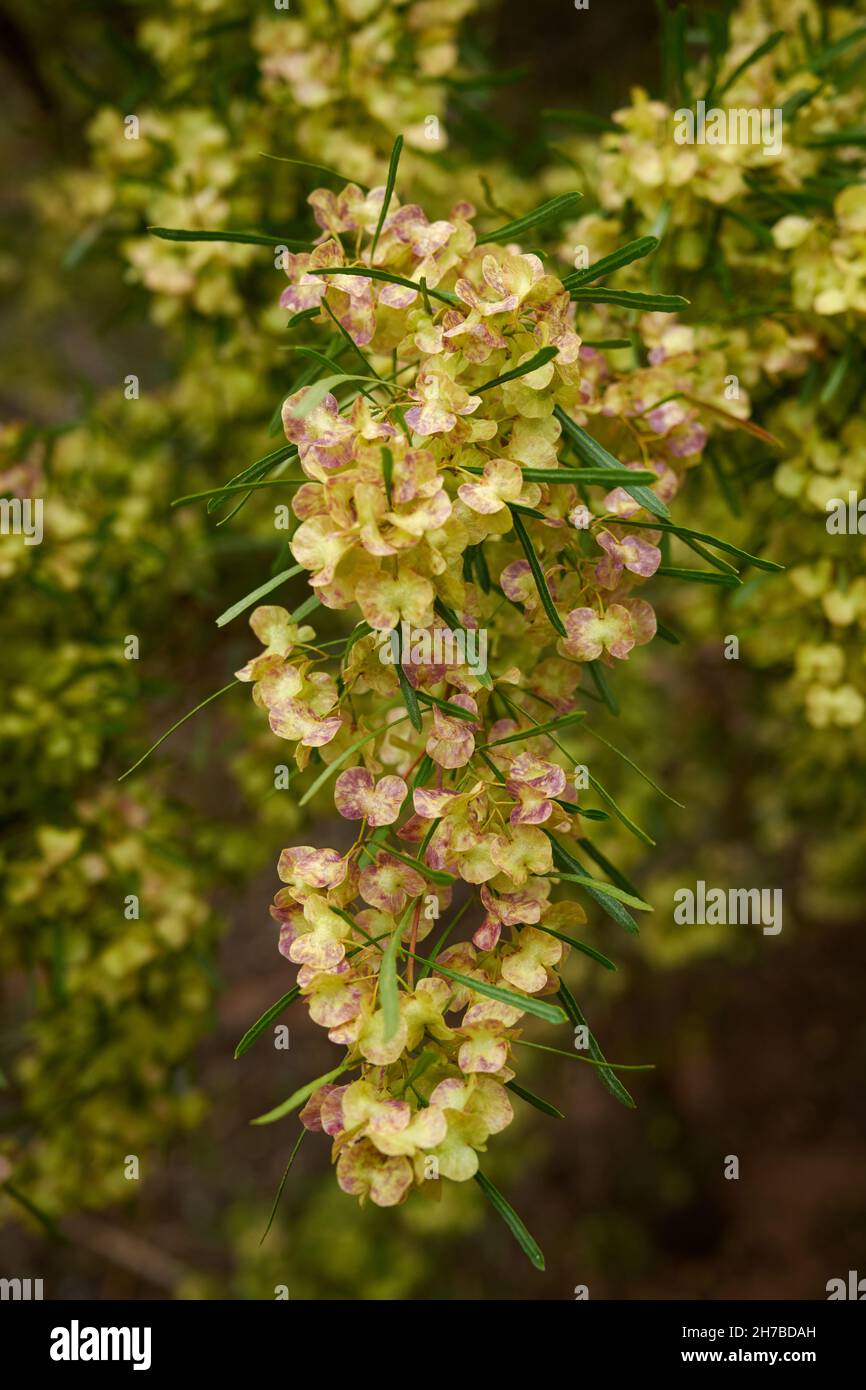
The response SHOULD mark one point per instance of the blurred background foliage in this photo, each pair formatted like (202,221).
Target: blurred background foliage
(117,1034)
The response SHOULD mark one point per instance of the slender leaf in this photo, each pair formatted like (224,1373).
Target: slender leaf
(244,238)
(606,867)
(632,251)
(561,722)
(526,1002)
(728,581)
(448,707)
(591,452)
(347,753)
(602,685)
(531,1099)
(297,1098)
(528,1245)
(686,533)
(585,477)
(581,120)
(620,814)
(323,169)
(538,575)
(609,1078)
(561,206)
(255,471)
(389,190)
(609,888)
(578,946)
(633,765)
(373,273)
(615,910)
(153,747)
(292,1156)
(410,699)
(435,875)
(247,602)
(388,989)
(540,359)
(631,299)
(255,1032)
(760,51)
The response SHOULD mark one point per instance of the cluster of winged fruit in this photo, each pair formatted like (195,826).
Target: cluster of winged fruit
(433,501)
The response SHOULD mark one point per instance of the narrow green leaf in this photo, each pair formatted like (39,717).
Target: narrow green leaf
(247,602)
(561,206)
(606,343)
(423,772)
(728,581)
(153,747)
(303,316)
(531,1099)
(435,875)
(240,487)
(389,189)
(724,566)
(315,394)
(854,136)
(841,367)
(244,238)
(615,910)
(303,610)
(606,867)
(585,477)
(578,946)
(447,707)
(563,721)
(297,1098)
(255,1032)
(254,472)
(347,753)
(760,51)
(609,888)
(549,1012)
(372,273)
(388,988)
(631,299)
(620,814)
(387,472)
(581,120)
(586,1061)
(410,699)
(47,1222)
(632,251)
(292,1156)
(540,359)
(538,575)
(633,765)
(591,452)
(599,679)
(324,169)
(686,533)
(609,1078)
(827,56)
(528,1245)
